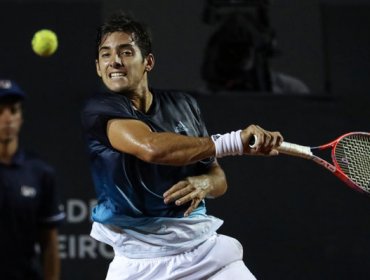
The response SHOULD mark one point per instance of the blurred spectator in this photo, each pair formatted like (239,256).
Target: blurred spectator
(237,58)
(29,203)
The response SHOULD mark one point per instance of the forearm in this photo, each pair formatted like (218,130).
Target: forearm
(136,138)
(50,255)
(217,182)
(51,267)
(175,149)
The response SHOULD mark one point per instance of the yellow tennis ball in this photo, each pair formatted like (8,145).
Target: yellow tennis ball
(44,42)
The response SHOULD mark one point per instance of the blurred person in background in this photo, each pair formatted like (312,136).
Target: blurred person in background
(30,209)
(237,55)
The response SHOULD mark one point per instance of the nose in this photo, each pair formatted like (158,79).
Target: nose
(6,115)
(116,61)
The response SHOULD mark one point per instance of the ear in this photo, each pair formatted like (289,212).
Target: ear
(150,61)
(97,68)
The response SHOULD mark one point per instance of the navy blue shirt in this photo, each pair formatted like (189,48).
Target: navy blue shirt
(130,191)
(29,200)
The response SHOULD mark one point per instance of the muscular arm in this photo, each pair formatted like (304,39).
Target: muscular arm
(50,253)
(135,137)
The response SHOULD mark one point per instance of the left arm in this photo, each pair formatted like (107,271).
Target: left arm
(195,188)
(50,253)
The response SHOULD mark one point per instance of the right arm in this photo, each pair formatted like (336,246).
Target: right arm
(136,138)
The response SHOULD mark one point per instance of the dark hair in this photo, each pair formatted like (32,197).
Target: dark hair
(122,22)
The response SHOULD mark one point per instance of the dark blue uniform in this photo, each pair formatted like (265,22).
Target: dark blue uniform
(28,201)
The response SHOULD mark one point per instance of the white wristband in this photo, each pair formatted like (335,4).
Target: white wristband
(228,144)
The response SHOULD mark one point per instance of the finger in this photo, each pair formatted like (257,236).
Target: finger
(277,140)
(194,205)
(270,141)
(267,145)
(178,192)
(280,138)
(179,197)
(178,186)
(260,140)
(186,198)
(274,152)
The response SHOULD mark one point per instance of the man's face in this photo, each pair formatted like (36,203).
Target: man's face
(120,63)
(10,121)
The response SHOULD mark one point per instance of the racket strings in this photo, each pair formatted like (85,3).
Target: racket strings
(352,154)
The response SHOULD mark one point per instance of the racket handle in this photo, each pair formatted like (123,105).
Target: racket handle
(288,148)
(295,150)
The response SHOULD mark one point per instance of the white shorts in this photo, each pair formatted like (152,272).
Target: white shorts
(218,258)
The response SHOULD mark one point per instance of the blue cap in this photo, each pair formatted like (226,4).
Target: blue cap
(9,88)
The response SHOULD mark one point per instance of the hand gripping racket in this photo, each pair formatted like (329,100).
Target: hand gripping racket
(350,154)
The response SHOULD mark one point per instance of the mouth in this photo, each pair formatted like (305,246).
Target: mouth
(7,129)
(116,75)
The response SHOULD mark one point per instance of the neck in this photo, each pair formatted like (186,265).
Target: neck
(142,100)
(8,150)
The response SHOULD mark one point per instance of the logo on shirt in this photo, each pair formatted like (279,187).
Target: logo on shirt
(28,191)
(180,127)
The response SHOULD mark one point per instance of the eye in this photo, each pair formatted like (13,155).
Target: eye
(126,52)
(104,55)
(15,109)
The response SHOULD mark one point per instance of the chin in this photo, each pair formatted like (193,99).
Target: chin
(117,88)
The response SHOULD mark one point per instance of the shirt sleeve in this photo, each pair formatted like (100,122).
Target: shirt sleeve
(51,210)
(97,111)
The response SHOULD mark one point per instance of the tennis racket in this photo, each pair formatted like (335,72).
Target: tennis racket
(350,154)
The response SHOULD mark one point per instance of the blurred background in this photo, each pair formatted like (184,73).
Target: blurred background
(301,67)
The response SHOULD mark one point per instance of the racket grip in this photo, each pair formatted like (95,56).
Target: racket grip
(288,148)
(295,150)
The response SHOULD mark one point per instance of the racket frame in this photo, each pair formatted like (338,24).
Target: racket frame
(306,152)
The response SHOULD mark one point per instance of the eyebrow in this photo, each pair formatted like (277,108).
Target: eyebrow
(131,44)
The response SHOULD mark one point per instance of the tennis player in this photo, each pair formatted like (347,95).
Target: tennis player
(153,165)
